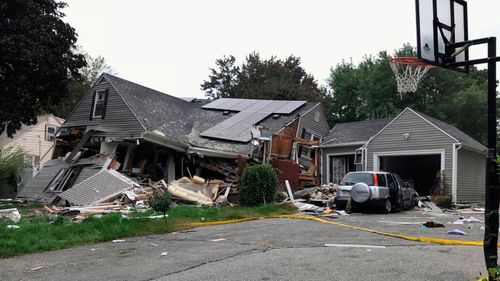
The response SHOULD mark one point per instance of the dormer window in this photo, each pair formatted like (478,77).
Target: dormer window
(99,104)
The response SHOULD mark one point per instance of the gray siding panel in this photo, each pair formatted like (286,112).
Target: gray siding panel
(119,120)
(471,176)
(319,128)
(423,136)
(342,150)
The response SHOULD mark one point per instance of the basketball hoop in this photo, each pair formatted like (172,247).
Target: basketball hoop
(408,71)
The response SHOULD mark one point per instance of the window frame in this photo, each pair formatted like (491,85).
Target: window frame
(317,116)
(102,94)
(303,153)
(48,136)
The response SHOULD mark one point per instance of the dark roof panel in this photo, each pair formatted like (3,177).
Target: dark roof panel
(360,131)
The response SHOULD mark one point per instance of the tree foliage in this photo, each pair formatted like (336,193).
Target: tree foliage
(37,60)
(160,202)
(261,79)
(368,91)
(79,86)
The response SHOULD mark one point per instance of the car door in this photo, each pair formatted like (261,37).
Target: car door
(406,192)
(394,190)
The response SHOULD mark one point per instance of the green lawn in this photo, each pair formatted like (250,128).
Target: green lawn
(45,233)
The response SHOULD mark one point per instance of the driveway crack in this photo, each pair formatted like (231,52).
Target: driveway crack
(252,251)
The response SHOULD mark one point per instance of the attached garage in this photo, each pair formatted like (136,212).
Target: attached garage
(421,149)
(425,150)
(418,169)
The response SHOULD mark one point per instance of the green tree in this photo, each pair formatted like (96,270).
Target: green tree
(37,60)
(262,79)
(222,82)
(79,86)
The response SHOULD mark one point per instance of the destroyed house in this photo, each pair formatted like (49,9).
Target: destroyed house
(144,132)
(429,154)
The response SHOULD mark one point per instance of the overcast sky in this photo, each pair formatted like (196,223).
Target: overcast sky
(170,45)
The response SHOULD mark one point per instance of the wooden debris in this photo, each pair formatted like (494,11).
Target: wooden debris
(198,180)
(180,192)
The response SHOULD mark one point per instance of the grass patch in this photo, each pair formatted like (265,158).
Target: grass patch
(46,233)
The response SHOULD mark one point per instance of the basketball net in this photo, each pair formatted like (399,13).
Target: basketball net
(408,71)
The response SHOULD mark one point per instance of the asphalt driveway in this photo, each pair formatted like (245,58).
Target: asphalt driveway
(272,249)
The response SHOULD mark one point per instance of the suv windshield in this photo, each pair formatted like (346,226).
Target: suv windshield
(353,178)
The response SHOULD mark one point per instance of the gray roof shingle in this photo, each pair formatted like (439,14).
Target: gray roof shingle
(359,131)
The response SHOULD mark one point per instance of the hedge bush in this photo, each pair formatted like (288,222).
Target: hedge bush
(258,185)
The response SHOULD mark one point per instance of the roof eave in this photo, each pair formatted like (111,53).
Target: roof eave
(475,149)
(214,153)
(342,144)
(157,138)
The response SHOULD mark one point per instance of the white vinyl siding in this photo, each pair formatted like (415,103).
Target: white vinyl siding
(471,176)
(422,136)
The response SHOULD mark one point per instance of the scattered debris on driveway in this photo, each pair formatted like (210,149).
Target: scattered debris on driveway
(431,224)
(217,240)
(456,232)
(354,246)
(465,221)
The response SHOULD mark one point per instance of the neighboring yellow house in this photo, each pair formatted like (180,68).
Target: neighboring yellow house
(37,140)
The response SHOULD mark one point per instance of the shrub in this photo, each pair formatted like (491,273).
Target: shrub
(258,185)
(160,202)
(11,160)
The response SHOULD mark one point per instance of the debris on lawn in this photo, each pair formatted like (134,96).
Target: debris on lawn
(118,241)
(11,214)
(109,191)
(13,226)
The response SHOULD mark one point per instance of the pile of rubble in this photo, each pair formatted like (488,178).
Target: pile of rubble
(320,195)
(122,194)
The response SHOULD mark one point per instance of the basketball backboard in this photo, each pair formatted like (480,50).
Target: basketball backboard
(440,23)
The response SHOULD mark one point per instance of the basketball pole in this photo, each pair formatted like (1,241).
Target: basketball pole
(492,189)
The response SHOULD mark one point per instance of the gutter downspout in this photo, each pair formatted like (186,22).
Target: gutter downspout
(456,147)
(365,155)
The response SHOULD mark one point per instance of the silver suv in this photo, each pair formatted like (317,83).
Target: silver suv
(383,189)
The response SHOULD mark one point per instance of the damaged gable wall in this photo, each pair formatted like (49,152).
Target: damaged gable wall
(314,121)
(118,120)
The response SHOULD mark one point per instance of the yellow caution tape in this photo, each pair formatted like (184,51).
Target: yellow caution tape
(400,236)
(208,223)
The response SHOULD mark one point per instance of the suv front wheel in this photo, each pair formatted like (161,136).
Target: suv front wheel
(387,206)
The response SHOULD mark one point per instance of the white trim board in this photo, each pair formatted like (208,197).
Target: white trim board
(377,155)
(418,115)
